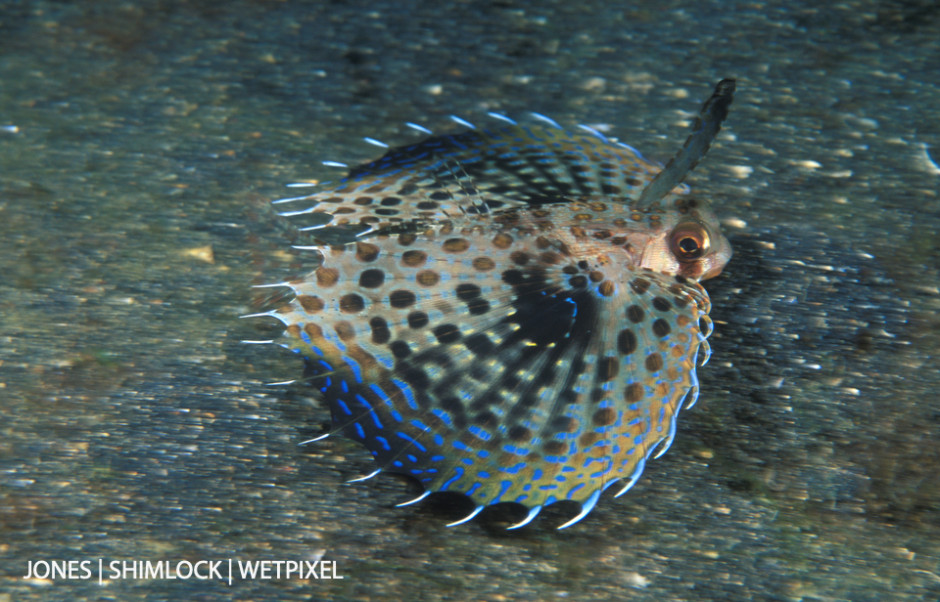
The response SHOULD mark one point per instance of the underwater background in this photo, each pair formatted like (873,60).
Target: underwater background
(141,143)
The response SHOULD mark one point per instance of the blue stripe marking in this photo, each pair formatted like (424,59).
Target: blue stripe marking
(537,474)
(473,489)
(521,498)
(413,459)
(485,475)
(460,445)
(420,424)
(449,482)
(344,407)
(398,463)
(408,438)
(479,432)
(359,431)
(513,469)
(438,440)
(378,391)
(483,453)
(328,367)
(375,417)
(344,386)
(354,366)
(573,489)
(383,442)
(409,394)
(437,458)
(574,311)
(305,337)
(396,415)
(467,461)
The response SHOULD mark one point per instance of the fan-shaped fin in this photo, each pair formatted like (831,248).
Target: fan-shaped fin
(513,166)
(496,365)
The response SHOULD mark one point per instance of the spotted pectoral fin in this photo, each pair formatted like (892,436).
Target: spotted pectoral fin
(463,178)
(646,371)
(492,366)
(412,344)
(392,337)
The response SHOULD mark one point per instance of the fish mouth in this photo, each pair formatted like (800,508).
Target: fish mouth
(723,257)
(712,273)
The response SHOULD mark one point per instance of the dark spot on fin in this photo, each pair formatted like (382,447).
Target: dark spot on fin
(706,127)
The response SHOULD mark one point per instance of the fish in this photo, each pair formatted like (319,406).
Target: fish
(513,312)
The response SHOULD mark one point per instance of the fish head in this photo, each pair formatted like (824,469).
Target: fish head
(685,239)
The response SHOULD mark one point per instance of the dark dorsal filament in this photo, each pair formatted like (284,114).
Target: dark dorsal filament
(706,127)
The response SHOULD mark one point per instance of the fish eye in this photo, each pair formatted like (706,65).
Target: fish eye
(689,241)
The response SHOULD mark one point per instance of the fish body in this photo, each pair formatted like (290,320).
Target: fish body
(511,312)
